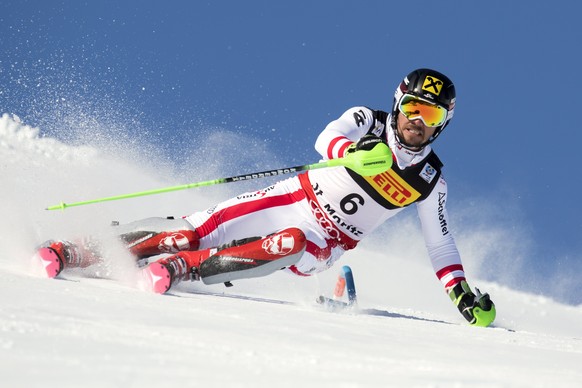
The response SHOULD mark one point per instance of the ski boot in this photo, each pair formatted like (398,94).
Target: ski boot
(52,257)
(161,275)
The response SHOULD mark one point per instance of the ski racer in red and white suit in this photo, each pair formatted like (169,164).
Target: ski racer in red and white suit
(335,207)
(305,223)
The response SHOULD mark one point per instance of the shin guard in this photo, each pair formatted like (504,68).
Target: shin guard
(149,243)
(154,236)
(253,257)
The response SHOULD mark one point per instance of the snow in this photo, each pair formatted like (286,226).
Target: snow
(95,328)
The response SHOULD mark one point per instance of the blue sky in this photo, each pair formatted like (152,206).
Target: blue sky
(280,71)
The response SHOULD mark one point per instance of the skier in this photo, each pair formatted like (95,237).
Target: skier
(303,224)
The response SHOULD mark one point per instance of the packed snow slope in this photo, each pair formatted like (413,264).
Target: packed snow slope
(96,328)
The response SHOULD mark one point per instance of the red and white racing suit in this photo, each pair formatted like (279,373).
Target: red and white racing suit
(336,208)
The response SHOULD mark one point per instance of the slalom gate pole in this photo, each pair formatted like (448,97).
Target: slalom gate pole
(374,161)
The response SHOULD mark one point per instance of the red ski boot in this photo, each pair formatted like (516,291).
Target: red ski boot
(54,256)
(161,275)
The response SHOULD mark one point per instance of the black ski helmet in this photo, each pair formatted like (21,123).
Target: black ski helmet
(430,85)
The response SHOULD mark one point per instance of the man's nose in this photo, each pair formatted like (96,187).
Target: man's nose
(418,122)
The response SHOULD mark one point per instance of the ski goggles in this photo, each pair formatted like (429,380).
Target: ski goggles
(416,108)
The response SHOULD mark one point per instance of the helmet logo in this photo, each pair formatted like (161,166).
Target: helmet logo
(432,85)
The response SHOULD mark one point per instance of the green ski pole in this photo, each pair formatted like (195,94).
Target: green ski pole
(372,162)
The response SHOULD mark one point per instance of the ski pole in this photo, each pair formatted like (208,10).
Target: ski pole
(372,162)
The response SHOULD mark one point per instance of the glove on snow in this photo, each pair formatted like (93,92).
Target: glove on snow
(477,308)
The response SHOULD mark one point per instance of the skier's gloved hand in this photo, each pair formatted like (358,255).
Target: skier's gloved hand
(368,156)
(477,308)
(366,143)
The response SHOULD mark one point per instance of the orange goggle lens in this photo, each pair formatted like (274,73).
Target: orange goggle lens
(416,108)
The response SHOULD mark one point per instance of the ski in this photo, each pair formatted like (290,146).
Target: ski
(345,282)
